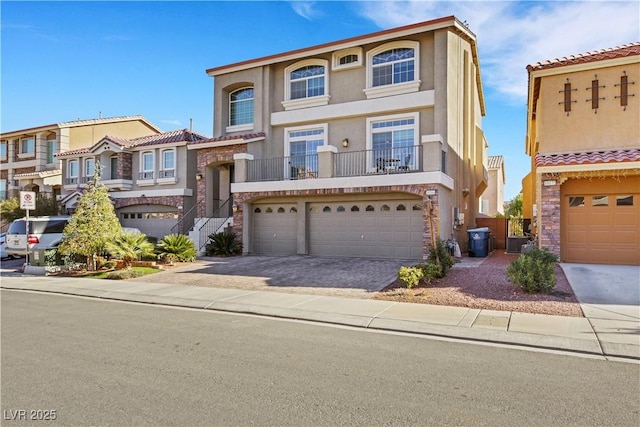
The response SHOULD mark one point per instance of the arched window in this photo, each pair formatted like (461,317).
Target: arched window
(393,68)
(269,210)
(168,167)
(385,208)
(326,209)
(293,210)
(355,209)
(257,210)
(369,208)
(147,165)
(241,107)
(401,208)
(306,84)
(416,207)
(340,208)
(280,209)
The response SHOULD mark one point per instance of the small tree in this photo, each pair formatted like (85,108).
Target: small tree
(92,225)
(514,208)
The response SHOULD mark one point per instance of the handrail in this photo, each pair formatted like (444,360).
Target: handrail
(223,212)
(185,223)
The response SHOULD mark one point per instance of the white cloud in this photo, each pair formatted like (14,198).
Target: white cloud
(512,35)
(306,9)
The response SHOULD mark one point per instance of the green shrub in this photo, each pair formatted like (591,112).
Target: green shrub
(129,247)
(176,246)
(430,271)
(124,274)
(441,253)
(224,244)
(533,271)
(410,276)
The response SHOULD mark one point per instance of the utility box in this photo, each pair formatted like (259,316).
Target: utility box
(478,242)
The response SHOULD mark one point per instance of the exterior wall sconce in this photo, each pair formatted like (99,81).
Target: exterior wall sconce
(234,208)
(345,142)
(465,191)
(199,176)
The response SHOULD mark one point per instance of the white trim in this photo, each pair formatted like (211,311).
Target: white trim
(393,89)
(224,143)
(242,156)
(327,149)
(436,178)
(345,52)
(289,103)
(376,90)
(152,193)
(588,167)
(416,125)
(585,66)
(434,137)
(314,101)
(413,101)
(287,141)
(239,128)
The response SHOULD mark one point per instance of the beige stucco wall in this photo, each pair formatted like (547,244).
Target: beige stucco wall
(86,136)
(583,128)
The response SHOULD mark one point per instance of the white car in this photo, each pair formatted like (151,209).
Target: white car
(45,232)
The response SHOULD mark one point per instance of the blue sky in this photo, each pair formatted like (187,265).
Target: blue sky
(61,61)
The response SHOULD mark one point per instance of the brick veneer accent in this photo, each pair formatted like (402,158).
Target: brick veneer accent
(416,190)
(173,201)
(125,166)
(550,215)
(213,156)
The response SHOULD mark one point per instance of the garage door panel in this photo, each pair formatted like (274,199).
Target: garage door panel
(373,233)
(274,232)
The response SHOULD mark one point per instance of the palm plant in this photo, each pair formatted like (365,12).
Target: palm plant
(176,246)
(223,244)
(130,246)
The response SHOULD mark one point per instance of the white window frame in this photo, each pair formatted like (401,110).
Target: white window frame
(52,146)
(393,88)
(72,177)
(89,163)
(314,101)
(4,150)
(111,174)
(243,126)
(337,56)
(415,161)
(167,175)
(147,174)
(24,154)
(324,127)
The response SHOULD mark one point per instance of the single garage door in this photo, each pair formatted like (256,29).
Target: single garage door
(601,228)
(152,220)
(369,229)
(275,229)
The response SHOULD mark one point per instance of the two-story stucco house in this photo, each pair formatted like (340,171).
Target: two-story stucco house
(363,147)
(583,136)
(27,156)
(492,200)
(151,178)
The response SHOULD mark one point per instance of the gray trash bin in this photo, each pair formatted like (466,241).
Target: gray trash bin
(478,242)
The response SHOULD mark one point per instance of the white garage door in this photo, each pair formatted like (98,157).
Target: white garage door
(152,222)
(389,229)
(274,229)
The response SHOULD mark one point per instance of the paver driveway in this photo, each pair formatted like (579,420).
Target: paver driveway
(353,277)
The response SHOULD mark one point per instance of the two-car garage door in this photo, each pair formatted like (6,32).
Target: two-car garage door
(367,229)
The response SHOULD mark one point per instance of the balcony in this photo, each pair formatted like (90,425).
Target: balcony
(386,161)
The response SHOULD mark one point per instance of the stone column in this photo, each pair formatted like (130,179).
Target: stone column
(432,147)
(550,213)
(241,166)
(326,158)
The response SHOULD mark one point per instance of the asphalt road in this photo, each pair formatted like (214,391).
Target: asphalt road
(91,362)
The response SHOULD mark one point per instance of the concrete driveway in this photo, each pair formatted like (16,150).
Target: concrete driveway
(350,277)
(609,296)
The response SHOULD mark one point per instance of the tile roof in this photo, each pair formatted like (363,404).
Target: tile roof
(495,162)
(589,157)
(39,174)
(245,137)
(630,49)
(182,135)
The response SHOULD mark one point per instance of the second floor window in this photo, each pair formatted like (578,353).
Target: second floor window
(168,164)
(393,66)
(52,146)
(72,172)
(241,107)
(27,145)
(3,149)
(113,167)
(3,189)
(89,169)
(147,166)
(307,82)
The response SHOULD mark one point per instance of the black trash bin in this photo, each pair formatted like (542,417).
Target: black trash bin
(478,242)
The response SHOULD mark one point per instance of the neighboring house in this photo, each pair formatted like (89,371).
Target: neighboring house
(583,136)
(492,200)
(151,179)
(363,147)
(27,156)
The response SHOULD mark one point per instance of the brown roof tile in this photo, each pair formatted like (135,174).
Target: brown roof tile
(589,157)
(630,49)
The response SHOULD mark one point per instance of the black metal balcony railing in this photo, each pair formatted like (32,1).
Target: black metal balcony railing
(167,174)
(145,175)
(86,179)
(71,181)
(283,168)
(378,161)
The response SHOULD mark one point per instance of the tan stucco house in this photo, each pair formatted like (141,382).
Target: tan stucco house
(492,200)
(365,147)
(583,136)
(151,179)
(27,156)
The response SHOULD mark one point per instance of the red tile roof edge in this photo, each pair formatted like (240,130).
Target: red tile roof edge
(631,49)
(589,157)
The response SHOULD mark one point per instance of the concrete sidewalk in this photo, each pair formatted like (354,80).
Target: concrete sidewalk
(531,330)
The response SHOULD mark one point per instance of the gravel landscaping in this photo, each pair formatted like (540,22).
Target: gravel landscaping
(487,286)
